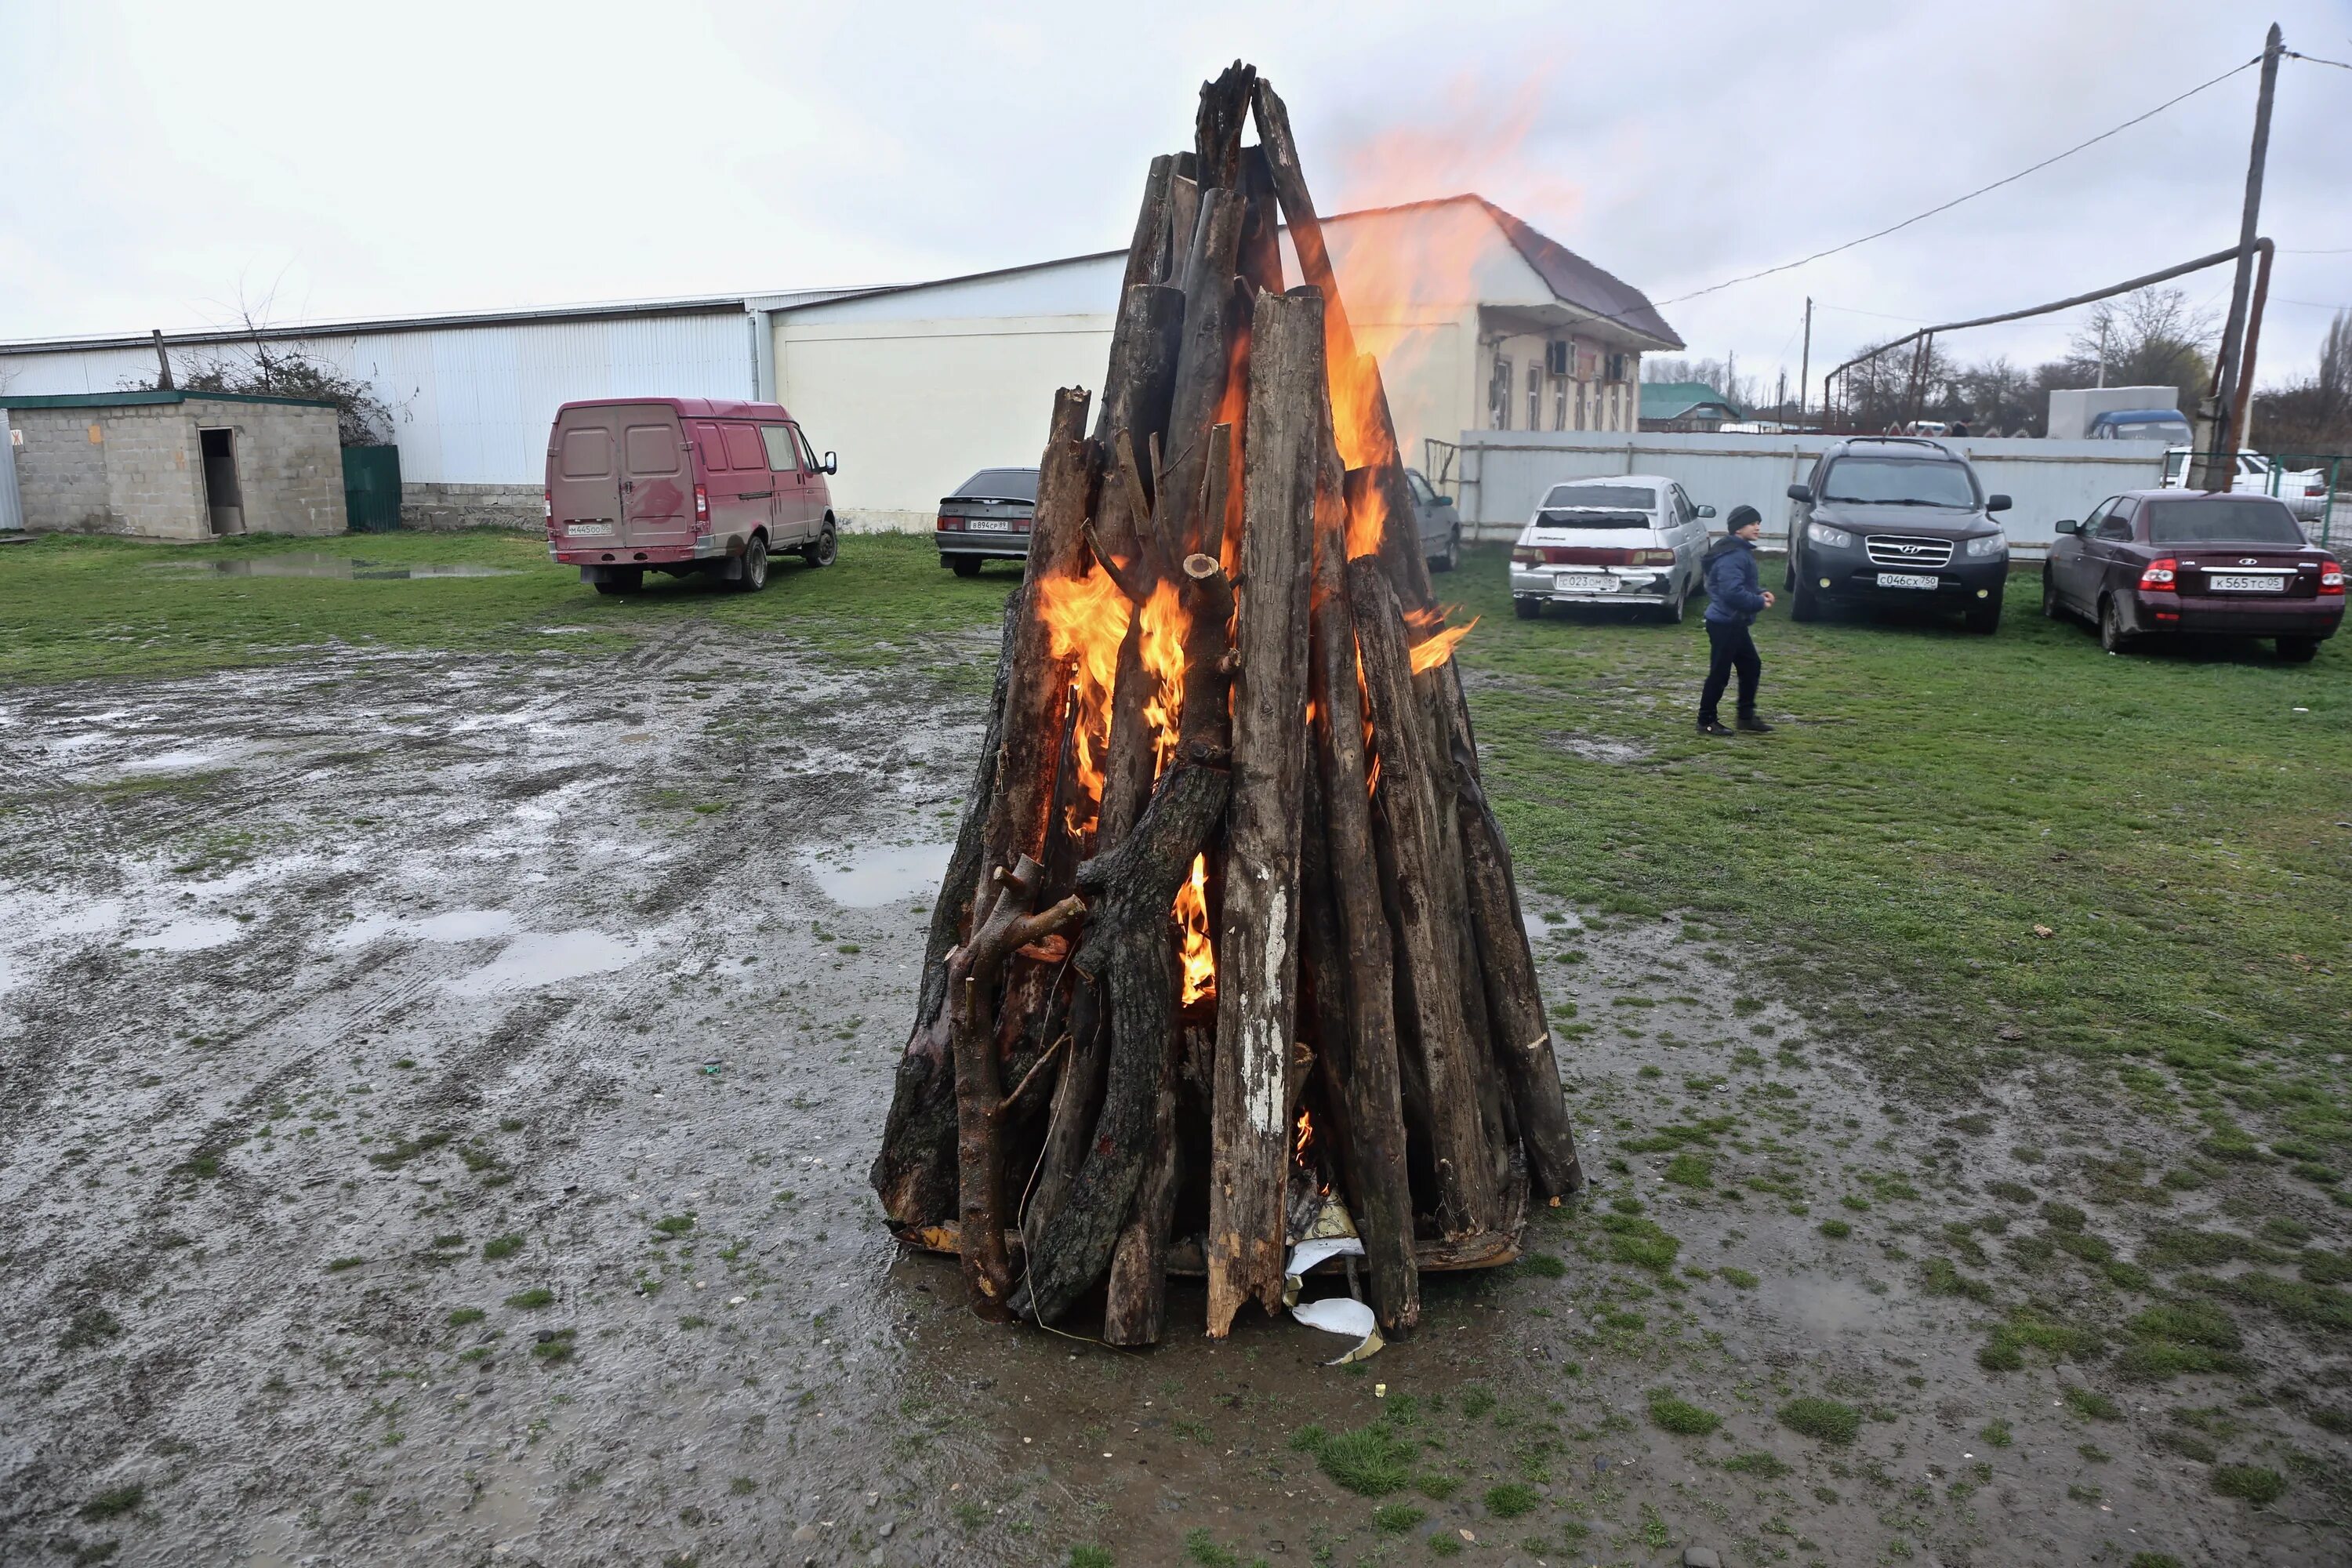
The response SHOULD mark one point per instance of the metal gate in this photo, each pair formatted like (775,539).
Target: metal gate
(372,488)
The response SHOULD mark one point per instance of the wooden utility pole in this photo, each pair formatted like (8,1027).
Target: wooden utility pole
(163,364)
(2216,461)
(1805,363)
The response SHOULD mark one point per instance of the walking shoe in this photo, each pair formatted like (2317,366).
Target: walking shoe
(1712,727)
(1753,725)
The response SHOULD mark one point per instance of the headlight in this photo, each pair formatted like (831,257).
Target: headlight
(1994,544)
(1822,533)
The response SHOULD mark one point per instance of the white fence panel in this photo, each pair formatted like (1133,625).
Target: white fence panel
(1504,473)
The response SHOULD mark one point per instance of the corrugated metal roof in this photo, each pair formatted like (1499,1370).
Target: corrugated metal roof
(1673,399)
(135,399)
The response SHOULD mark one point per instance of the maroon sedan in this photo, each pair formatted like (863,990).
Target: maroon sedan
(2162,564)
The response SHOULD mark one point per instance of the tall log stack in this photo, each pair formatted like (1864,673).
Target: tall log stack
(1230,935)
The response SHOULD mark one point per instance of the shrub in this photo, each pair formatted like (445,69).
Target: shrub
(1824,1420)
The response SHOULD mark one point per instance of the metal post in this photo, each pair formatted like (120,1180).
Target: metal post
(1805,363)
(2217,461)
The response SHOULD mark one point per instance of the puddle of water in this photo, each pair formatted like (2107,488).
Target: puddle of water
(454,925)
(308,564)
(543,958)
(190,936)
(881,875)
(1540,929)
(1824,1307)
(171,763)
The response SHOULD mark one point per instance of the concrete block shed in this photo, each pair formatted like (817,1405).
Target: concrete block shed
(175,465)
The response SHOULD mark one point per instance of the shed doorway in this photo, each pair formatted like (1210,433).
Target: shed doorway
(223,498)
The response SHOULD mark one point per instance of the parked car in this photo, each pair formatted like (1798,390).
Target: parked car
(1896,519)
(1441,524)
(2138,425)
(2152,563)
(1634,539)
(2305,490)
(988,518)
(685,486)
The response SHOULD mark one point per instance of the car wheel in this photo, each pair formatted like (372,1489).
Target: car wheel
(2298,650)
(2112,635)
(1984,619)
(964,565)
(755,566)
(1804,604)
(621,580)
(1453,556)
(1670,612)
(2052,608)
(1527,609)
(823,551)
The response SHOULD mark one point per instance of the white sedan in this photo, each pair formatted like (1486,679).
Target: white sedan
(2305,490)
(1632,539)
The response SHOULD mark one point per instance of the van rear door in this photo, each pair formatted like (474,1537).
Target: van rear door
(656,478)
(583,477)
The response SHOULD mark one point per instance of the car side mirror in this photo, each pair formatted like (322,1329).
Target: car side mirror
(832,463)
(1801,492)
(1997,503)
(2069,525)
(1706,511)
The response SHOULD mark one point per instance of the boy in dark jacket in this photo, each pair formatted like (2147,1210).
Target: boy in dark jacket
(1735,594)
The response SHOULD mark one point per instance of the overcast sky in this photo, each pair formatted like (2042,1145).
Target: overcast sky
(164,163)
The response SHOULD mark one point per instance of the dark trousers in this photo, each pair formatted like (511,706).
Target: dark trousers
(1729,647)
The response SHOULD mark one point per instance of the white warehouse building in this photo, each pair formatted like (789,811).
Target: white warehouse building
(1480,324)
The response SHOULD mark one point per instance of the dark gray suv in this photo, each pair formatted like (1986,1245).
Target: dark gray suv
(1896,519)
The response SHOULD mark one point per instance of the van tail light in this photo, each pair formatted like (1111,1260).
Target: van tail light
(1656,558)
(547,504)
(2158,577)
(701,505)
(2331,579)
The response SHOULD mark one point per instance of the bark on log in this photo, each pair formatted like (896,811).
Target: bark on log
(1257,983)
(1429,1001)
(1522,1040)
(1038,692)
(1374,1150)
(1134,1310)
(1260,260)
(1129,950)
(1217,127)
(1202,364)
(1464,966)
(914,1171)
(981,1101)
(1145,250)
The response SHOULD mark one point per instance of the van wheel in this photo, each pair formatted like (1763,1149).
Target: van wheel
(2112,635)
(822,552)
(2298,650)
(755,566)
(622,580)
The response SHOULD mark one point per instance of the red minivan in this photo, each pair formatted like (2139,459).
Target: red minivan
(683,485)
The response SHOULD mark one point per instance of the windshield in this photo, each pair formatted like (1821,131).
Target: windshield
(2235,519)
(2148,430)
(1637,497)
(1000,484)
(1898,481)
(1550,519)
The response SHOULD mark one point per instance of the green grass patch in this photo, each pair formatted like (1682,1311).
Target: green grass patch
(1639,1242)
(537,1296)
(1371,1461)
(1823,1420)
(1396,1518)
(501,1246)
(2252,1482)
(1690,1171)
(114,1502)
(1763,1466)
(1512,1499)
(1682,1418)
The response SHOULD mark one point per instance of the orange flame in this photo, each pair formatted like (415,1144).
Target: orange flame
(1306,1137)
(1438,649)
(1191,913)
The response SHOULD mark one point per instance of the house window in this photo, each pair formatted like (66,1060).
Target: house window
(1534,394)
(1498,395)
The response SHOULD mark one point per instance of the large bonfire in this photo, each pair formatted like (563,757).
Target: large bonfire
(1229,949)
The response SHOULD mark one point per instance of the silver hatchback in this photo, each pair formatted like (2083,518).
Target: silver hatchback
(1633,540)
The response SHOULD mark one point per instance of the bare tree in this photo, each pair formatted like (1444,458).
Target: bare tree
(269,364)
(2149,338)
(2313,415)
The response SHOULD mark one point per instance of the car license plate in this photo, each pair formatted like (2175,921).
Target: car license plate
(988,525)
(2224,583)
(1571,583)
(1906,579)
(588,529)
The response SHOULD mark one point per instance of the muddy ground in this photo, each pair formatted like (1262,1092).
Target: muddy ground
(434,1100)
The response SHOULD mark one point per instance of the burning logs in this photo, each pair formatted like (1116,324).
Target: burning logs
(1228,906)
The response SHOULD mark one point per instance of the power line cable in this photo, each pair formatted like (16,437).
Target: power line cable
(2315,59)
(1956,201)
